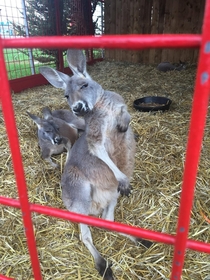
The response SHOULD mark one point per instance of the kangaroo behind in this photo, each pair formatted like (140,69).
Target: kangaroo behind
(101,162)
(51,131)
(167,66)
(68,117)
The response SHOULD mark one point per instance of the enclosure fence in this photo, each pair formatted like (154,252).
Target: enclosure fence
(180,240)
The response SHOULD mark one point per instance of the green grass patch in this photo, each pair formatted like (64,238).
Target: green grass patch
(18,63)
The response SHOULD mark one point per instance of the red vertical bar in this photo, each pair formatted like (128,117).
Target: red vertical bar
(196,131)
(10,124)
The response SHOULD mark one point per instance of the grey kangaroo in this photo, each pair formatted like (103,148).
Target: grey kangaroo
(52,129)
(167,66)
(101,162)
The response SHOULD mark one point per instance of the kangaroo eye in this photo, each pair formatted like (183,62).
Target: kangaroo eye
(84,86)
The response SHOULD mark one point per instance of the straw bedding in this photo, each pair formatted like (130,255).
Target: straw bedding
(156,182)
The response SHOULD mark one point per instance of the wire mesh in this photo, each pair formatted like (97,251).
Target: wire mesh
(20,18)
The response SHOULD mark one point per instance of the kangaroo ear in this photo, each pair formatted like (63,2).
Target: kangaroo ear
(54,77)
(77,62)
(46,113)
(36,119)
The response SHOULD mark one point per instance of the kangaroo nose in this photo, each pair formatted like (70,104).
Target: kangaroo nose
(81,108)
(78,107)
(58,140)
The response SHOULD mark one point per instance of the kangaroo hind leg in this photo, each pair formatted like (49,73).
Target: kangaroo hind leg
(101,264)
(77,198)
(108,212)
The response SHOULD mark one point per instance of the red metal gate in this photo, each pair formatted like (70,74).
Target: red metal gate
(180,241)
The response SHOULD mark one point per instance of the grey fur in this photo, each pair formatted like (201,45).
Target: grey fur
(50,133)
(167,66)
(67,116)
(101,162)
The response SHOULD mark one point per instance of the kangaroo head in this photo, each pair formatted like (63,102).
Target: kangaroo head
(47,129)
(80,90)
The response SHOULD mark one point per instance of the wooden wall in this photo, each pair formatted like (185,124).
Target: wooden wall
(153,17)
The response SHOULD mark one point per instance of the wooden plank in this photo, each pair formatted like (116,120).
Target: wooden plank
(167,27)
(118,26)
(198,14)
(161,18)
(107,21)
(125,25)
(137,25)
(107,11)
(177,27)
(140,28)
(184,25)
(129,56)
(161,24)
(187,24)
(188,16)
(154,28)
(158,21)
(147,27)
(112,25)
(155,16)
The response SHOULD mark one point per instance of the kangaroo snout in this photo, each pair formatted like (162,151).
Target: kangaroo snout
(81,108)
(58,140)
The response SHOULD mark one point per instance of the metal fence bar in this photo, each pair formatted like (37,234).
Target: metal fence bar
(135,42)
(195,137)
(197,124)
(8,113)
(114,226)
(2,277)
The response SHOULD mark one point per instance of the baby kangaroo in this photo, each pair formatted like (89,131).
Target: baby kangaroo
(50,133)
(101,162)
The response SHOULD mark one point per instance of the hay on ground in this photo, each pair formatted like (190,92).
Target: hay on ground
(156,182)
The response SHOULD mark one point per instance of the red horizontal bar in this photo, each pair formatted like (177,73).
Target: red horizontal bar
(93,221)
(134,42)
(97,222)
(2,277)
(114,226)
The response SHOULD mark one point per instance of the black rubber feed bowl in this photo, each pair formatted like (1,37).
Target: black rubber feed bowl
(152,103)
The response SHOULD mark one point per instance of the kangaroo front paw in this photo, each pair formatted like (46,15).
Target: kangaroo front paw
(122,128)
(124,188)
